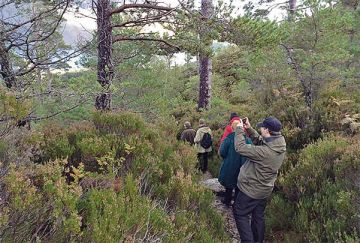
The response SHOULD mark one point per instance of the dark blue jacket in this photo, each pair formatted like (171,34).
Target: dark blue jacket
(230,167)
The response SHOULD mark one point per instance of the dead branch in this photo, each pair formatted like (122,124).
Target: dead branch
(123,7)
(142,21)
(119,38)
(41,15)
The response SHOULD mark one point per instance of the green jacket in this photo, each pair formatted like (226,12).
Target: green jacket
(198,137)
(257,176)
(230,167)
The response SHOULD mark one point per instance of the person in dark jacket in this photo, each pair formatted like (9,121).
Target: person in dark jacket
(188,134)
(257,176)
(230,167)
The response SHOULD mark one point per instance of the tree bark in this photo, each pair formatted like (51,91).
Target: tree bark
(205,71)
(205,64)
(105,65)
(292,9)
(152,11)
(292,6)
(351,4)
(307,86)
(6,70)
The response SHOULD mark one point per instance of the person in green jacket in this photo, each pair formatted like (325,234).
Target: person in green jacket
(230,167)
(257,176)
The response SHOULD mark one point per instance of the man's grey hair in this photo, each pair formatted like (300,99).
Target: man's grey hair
(202,122)
(187,124)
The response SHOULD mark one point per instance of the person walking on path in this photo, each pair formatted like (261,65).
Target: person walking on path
(203,144)
(230,167)
(257,176)
(188,134)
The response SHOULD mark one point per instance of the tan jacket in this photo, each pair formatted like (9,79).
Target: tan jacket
(198,137)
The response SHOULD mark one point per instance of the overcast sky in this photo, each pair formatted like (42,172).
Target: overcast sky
(77,28)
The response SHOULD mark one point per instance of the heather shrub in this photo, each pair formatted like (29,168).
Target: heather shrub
(278,214)
(124,216)
(56,143)
(114,179)
(39,204)
(121,123)
(323,188)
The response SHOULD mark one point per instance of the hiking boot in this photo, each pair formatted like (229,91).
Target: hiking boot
(220,194)
(227,203)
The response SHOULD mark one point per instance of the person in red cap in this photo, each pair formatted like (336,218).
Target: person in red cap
(228,129)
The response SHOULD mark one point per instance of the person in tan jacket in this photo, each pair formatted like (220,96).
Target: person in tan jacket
(203,144)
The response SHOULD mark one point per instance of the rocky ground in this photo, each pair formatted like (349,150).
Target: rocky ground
(214,185)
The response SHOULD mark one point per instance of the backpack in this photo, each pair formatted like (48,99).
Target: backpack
(206,141)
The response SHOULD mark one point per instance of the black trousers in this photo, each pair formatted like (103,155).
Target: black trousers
(203,161)
(243,207)
(228,194)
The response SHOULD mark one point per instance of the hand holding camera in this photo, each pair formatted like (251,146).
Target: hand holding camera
(246,123)
(237,123)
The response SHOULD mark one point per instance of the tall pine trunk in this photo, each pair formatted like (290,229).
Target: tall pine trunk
(6,70)
(205,64)
(350,4)
(292,7)
(105,65)
(292,10)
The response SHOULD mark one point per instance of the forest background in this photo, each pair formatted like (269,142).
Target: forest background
(92,154)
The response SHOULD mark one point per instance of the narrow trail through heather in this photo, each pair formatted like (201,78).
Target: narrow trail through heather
(213,184)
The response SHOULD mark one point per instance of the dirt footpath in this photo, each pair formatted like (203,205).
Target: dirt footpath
(214,185)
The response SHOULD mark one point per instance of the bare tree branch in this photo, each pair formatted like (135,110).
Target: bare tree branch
(57,113)
(124,38)
(142,21)
(307,90)
(46,62)
(123,7)
(5,4)
(37,17)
